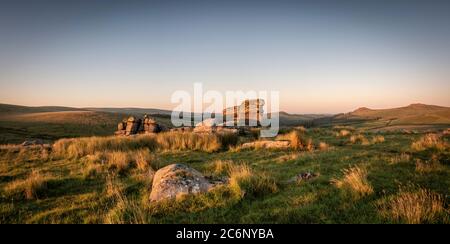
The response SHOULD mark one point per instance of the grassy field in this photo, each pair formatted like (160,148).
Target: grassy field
(358,177)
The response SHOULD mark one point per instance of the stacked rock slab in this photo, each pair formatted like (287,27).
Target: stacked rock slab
(133,125)
(150,125)
(249,113)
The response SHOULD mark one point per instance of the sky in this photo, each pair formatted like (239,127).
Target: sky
(322,56)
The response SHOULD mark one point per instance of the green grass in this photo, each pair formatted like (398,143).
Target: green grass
(73,196)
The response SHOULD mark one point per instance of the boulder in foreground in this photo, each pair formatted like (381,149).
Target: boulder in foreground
(176,180)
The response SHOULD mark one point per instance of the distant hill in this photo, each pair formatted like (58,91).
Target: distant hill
(134,111)
(73,117)
(17,109)
(412,114)
(287,119)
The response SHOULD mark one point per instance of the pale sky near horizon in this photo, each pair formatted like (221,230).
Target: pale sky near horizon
(322,56)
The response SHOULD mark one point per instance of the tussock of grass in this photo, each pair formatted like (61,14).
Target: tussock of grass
(143,159)
(30,188)
(92,171)
(402,158)
(430,141)
(228,140)
(324,146)
(343,133)
(421,206)
(359,139)
(428,166)
(119,161)
(124,211)
(219,167)
(244,181)
(378,139)
(298,140)
(97,158)
(354,180)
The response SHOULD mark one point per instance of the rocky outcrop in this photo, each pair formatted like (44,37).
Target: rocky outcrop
(150,125)
(132,126)
(249,113)
(177,180)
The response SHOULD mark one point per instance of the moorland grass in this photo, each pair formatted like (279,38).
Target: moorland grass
(84,189)
(414,207)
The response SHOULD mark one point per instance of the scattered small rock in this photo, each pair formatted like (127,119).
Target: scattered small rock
(33,143)
(303,177)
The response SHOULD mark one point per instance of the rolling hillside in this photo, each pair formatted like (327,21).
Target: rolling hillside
(413,117)
(412,114)
(20,123)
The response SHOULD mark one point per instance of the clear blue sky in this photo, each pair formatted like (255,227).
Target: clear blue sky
(323,56)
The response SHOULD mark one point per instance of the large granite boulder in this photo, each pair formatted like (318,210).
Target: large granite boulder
(150,125)
(177,180)
(133,125)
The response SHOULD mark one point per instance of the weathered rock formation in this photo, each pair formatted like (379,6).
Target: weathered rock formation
(249,113)
(132,126)
(177,180)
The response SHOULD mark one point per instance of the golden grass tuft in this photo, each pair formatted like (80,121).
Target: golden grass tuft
(430,141)
(143,159)
(119,161)
(402,158)
(420,206)
(428,166)
(355,180)
(219,167)
(243,181)
(343,133)
(92,171)
(30,188)
(297,140)
(359,139)
(124,211)
(324,146)
(378,139)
